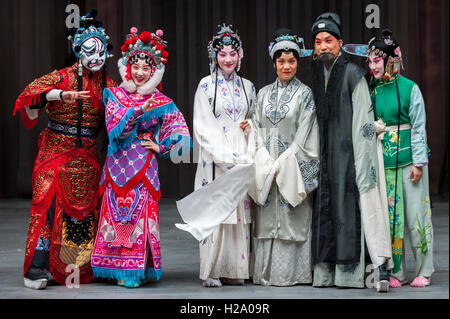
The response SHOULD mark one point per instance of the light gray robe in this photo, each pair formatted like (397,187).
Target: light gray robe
(285,121)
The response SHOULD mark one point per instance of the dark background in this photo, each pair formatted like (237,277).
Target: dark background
(33,39)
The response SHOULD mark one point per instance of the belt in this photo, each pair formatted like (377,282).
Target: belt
(393,128)
(71,130)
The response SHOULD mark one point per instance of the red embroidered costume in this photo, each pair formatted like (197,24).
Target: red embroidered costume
(65,181)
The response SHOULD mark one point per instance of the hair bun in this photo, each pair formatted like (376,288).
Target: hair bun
(386,32)
(282,31)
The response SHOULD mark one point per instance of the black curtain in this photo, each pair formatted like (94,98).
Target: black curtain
(33,32)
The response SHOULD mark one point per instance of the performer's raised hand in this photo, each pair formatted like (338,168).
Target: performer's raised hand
(149,144)
(71,96)
(148,105)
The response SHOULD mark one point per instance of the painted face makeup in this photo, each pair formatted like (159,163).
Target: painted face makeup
(93,54)
(227,59)
(286,66)
(141,72)
(376,66)
(327,47)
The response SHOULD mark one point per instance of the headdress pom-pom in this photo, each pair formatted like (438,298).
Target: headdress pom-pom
(159,33)
(146,37)
(133,30)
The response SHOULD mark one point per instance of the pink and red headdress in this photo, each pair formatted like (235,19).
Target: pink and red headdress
(147,46)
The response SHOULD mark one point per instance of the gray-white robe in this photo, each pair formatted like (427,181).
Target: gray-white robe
(287,167)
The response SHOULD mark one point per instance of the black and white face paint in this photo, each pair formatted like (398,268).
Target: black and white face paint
(93,54)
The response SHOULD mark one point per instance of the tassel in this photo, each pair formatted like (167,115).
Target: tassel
(121,274)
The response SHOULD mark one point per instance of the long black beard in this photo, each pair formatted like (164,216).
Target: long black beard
(327,59)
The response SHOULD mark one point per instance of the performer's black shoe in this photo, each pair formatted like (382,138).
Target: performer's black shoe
(383,272)
(383,281)
(35,278)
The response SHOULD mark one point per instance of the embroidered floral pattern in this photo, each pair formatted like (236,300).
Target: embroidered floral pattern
(425,236)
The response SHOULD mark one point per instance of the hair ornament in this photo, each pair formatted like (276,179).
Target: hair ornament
(147,46)
(89,28)
(224,37)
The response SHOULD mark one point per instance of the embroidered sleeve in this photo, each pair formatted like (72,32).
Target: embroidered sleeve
(418,132)
(307,118)
(363,137)
(307,140)
(305,146)
(31,101)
